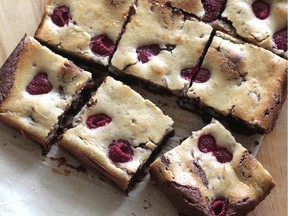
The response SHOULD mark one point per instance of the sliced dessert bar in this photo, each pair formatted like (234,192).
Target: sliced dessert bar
(88,29)
(36,87)
(263,23)
(211,174)
(116,132)
(160,46)
(243,81)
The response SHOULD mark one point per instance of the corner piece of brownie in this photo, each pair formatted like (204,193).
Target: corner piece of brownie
(36,87)
(210,174)
(87,29)
(116,132)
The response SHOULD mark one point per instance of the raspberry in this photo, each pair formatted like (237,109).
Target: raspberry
(61,16)
(39,85)
(188,73)
(207,143)
(213,8)
(261,9)
(218,207)
(120,151)
(144,53)
(98,120)
(102,45)
(280,39)
(222,155)
(202,76)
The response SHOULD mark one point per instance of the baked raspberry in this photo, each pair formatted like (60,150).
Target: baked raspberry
(188,73)
(207,143)
(120,151)
(261,9)
(202,76)
(98,120)
(280,39)
(61,16)
(39,85)
(222,155)
(102,45)
(144,53)
(212,8)
(218,207)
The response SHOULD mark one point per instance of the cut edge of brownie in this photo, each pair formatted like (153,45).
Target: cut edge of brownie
(7,71)
(143,170)
(207,113)
(136,178)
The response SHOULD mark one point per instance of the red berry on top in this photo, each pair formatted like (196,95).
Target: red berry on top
(222,155)
(202,76)
(102,45)
(213,9)
(61,16)
(280,39)
(97,120)
(120,151)
(188,73)
(261,9)
(206,143)
(144,53)
(39,85)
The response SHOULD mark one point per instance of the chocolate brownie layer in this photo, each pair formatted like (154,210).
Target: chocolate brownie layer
(7,72)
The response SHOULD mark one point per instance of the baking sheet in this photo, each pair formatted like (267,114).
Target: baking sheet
(57,184)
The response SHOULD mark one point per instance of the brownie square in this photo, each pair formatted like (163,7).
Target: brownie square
(161,47)
(211,174)
(36,87)
(117,132)
(263,23)
(88,29)
(241,81)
